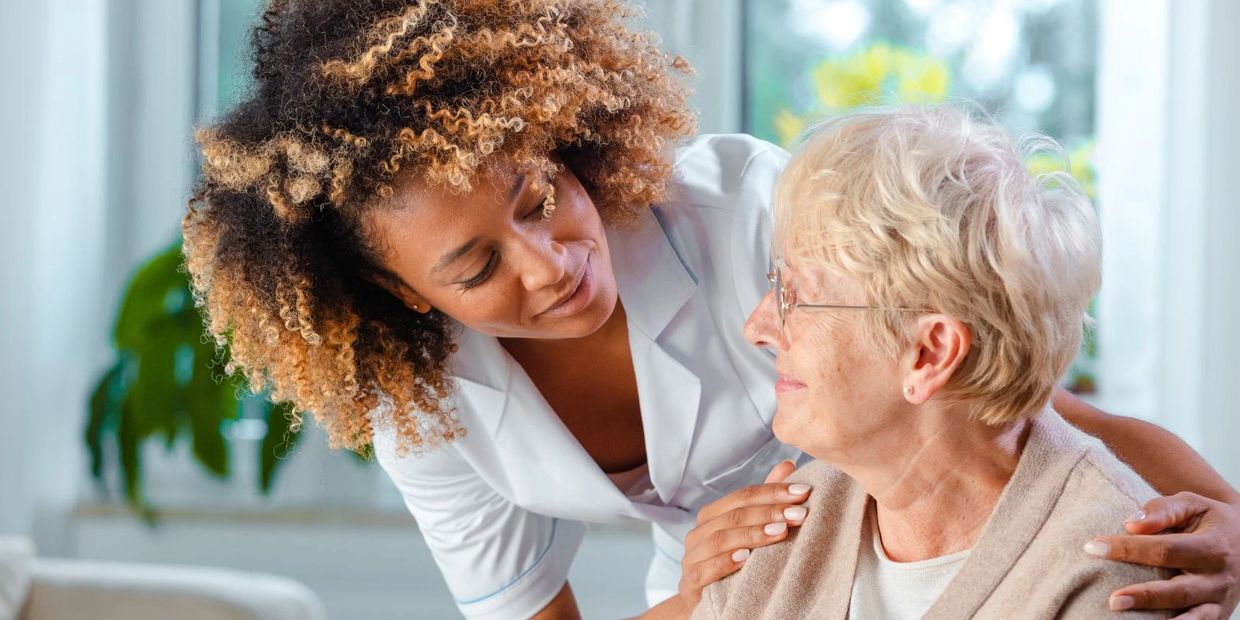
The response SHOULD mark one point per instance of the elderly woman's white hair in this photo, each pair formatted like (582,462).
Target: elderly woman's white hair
(931,207)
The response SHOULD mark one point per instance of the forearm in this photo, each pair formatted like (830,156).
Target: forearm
(1163,459)
(671,609)
(562,607)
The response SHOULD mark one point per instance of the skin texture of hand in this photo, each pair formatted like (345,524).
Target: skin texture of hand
(731,527)
(1198,536)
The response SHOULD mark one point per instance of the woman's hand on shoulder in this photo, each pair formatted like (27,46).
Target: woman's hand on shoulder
(730,528)
(1195,535)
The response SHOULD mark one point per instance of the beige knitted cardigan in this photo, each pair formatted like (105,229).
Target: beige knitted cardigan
(1028,563)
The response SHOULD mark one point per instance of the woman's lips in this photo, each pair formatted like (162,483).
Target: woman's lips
(788,384)
(578,300)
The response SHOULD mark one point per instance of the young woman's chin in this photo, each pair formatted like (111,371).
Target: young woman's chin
(585,322)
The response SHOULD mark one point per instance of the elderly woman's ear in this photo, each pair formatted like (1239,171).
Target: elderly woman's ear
(938,348)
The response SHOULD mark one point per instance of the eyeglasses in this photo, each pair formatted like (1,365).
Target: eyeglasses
(786,300)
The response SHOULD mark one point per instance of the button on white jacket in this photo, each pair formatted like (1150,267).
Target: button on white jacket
(503,509)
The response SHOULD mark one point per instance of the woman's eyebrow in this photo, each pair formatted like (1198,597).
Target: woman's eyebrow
(452,256)
(517,186)
(447,259)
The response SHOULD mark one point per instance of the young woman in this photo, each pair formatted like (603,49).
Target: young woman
(480,235)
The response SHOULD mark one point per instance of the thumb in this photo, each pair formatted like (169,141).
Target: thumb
(1164,513)
(781,471)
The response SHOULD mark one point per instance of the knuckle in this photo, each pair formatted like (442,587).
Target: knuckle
(1227,583)
(776,514)
(1160,553)
(1211,612)
(1228,560)
(736,518)
(1179,598)
(1120,547)
(701,575)
(1207,612)
(718,539)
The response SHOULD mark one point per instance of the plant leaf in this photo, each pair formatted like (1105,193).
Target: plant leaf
(153,393)
(104,410)
(157,282)
(128,449)
(278,444)
(210,401)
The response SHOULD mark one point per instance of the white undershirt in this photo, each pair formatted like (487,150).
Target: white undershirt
(883,588)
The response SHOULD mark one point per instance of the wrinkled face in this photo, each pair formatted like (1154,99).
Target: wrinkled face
(490,260)
(835,390)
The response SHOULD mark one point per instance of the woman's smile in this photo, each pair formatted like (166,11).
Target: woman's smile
(575,299)
(788,384)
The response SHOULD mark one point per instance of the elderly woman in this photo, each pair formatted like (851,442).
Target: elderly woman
(929,294)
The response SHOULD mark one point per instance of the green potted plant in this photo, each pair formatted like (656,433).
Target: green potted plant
(167,383)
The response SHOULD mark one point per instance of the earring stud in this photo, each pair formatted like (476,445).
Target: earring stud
(908,390)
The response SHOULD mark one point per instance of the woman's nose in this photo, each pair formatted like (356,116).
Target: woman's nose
(762,328)
(544,263)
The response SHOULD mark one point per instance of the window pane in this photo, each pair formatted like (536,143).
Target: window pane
(1029,62)
(236,18)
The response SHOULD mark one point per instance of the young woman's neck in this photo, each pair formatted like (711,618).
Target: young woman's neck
(937,479)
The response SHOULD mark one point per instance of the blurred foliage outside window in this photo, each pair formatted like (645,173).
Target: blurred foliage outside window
(1031,63)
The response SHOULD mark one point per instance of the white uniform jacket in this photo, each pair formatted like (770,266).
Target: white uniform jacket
(503,509)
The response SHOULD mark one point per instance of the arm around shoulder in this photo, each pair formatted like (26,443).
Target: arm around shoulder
(1156,454)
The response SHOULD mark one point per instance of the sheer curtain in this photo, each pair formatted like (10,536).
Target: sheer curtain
(1170,348)
(53,244)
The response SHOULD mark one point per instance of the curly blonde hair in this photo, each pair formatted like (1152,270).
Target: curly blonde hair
(931,207)
(347,94)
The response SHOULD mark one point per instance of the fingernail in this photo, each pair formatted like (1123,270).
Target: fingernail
(740,555)
(775,529)
(795,513)
(1122,603)
(1098,548)
(798,489)
(1136,517)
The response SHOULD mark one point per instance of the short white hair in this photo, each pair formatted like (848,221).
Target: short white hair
(933,207)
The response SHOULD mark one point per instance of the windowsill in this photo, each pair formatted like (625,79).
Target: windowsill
(88,510)
(307,515)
